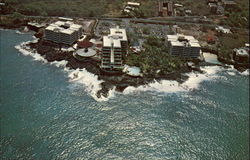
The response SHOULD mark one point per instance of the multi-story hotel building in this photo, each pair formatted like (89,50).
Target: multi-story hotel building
(183,46)
(63,32)
(114,49)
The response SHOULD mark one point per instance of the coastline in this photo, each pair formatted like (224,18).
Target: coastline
(117,82)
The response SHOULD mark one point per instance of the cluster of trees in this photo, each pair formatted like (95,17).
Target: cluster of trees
(77,8)
(238,16)
(154,60)
(227,42)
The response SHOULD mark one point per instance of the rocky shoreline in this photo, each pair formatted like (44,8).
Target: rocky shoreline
(118,80)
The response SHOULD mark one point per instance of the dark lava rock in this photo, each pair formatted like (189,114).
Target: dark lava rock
(118,80)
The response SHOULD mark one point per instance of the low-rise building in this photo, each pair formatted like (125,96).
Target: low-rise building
(213,7)
(228,4)
(223,30)
(131,6)
(183,46)
(165,9)
(241,55)
(114,49)
(63,32)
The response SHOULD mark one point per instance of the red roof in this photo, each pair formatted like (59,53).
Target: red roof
(84,44)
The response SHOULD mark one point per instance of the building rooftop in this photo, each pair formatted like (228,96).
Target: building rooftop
(228,2)
(65,19)
(133,3)
(86,52)
(67,31)
(182,40)
(108,41)
(193,44)
(75,26)
(119,32)
(242,52)
(176,43)
(59,26)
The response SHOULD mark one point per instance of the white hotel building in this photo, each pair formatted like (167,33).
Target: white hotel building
(114,49)
(183,46)
(63,32)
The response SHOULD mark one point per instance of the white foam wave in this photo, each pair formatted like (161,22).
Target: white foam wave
(91,82)
(62,63)
(231,73)
(27,51)
(245,73)
(161,86)
(69,49)
(93,85)
(168,86)
(79,76)
(3,29)
(18,32)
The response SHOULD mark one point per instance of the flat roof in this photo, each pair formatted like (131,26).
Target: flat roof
(242,52)
(194,44)
(67,31)
(57,25)
(76,26)
(172,36)
(51,27)
(190,39)
(90,52)
(108,40)
(133,3)
(176,43)
(120,32)
(66,19)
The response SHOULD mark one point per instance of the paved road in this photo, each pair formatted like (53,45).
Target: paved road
(200,20)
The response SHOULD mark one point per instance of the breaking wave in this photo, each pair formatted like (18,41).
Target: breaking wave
(25,50)
(92,84)
(18,32)
(245,73)
(168,86)
(78,76)
(62,63)
(90,81)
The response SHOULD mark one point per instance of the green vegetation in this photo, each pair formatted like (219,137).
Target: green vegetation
(230,41)
(14,20)
(76,8)
(154,59)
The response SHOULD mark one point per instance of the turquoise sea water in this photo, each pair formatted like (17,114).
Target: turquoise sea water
(46,116)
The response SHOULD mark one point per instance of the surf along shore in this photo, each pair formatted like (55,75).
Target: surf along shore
(118,81)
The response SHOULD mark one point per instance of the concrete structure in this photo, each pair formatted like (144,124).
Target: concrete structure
(183,46)
(228,4)
(131,6)
(134,4)
(222,29)
(65,19)
(63,32)
(241,55)
(213,7)
(165,9)
(114,49)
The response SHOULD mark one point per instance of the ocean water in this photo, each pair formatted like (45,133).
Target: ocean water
(46,113)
